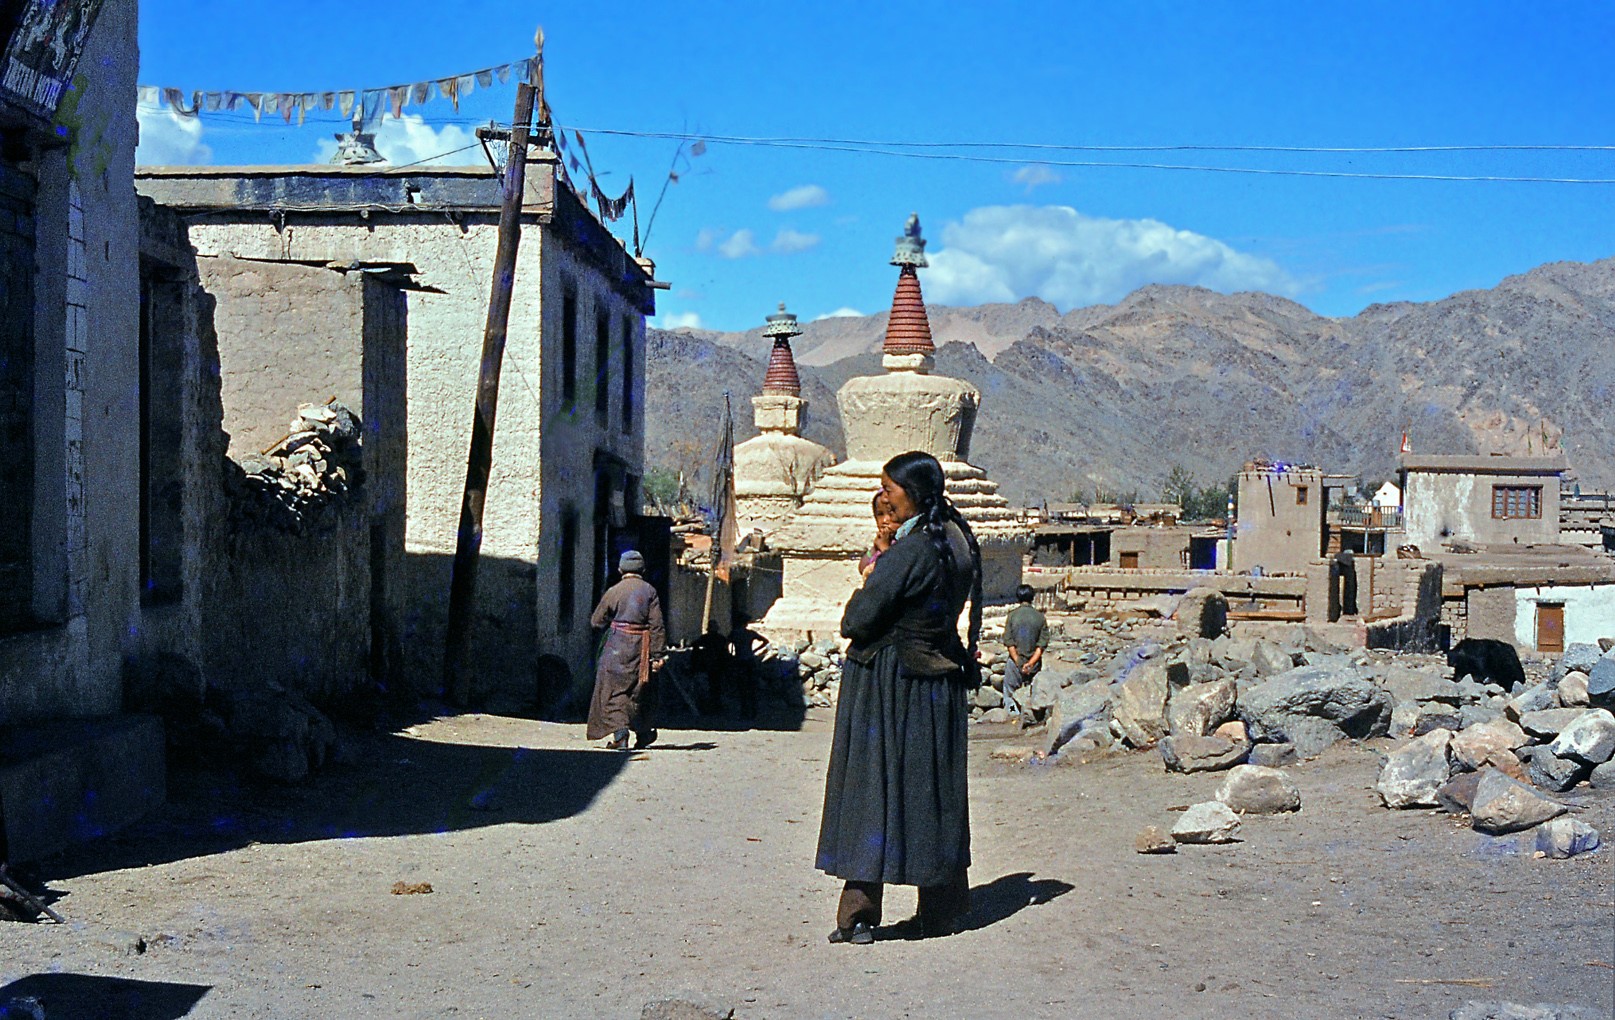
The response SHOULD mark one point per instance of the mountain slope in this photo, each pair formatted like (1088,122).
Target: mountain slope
(1119,395)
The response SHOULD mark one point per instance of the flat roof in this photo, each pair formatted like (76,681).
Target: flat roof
(1484,464)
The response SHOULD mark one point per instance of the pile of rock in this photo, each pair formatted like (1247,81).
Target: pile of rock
(292,485)
(1491,756)
(1209,704)
(818,667)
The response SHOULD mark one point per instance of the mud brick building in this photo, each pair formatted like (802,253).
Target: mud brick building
(567,454)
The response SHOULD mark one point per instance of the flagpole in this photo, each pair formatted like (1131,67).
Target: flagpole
(724,487)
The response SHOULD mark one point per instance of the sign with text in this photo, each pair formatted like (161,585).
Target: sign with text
(44,51)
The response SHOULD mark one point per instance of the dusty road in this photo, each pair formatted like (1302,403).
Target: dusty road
(572,882)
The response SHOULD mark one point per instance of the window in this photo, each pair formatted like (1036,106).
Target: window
(1300,495)
(627,375)
(569,348)
(1516,502)
(566,601)
(602,367)
(16,399)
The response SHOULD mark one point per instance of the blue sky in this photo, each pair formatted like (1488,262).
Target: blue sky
(749,226)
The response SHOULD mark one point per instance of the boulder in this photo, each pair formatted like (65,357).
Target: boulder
(1139,705)
(1208,822)
(1188,752)
(1578,656)
(1254,790)
(1078,707)
(1154,840)
(1565,837)
(1200,708)
(1532,699)
(1488,743)
(1589,738)
(1273,756)
(987,696)
(1457,794)
(1601,681)
(1602,777)
(1573,691)
(996,715)
(1413,772)
(1437,717)
(1501,805)
(1203,613)
(1551,772)
(1314,706)
(1407,683)
(1270,660)
(1549,722)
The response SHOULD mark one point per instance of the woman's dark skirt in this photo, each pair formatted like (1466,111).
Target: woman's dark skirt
(896,804)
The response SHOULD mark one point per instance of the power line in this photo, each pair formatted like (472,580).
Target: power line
(1062,147)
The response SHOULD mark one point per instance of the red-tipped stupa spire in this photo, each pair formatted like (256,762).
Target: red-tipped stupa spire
(781,377)
(908,328)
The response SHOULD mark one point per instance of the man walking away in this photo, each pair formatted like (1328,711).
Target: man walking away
(631,614)
(1026,634)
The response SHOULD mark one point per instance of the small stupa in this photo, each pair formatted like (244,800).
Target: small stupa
(905,408)
(775,469)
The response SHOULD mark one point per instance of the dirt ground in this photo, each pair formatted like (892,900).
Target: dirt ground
(573,882)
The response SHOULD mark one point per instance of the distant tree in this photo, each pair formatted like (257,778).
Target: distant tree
(1179,487)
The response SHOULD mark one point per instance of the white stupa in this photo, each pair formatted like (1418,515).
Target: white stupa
(906,408)
(775,469)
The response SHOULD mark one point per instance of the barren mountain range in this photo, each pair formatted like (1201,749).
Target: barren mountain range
(1115,396)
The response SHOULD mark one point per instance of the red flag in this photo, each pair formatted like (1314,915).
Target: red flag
(1407,446)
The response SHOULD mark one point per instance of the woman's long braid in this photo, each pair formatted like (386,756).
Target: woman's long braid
(936,517)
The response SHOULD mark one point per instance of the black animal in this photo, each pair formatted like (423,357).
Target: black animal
(1488,660)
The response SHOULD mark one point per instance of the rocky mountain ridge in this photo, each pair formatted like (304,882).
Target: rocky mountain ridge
(1116,396)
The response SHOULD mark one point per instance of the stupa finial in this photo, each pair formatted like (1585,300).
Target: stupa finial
(911,246)
(908,328)
(781,377)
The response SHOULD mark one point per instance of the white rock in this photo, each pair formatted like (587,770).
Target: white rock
(1208,822)
(1414,772)
(1589,738)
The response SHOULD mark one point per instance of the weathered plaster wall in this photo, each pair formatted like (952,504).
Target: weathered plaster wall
(1440,506)
(87,389)
(1589,612)
(574,443)
(1274,531)
(1491,614)
(289,334)
(1157,548)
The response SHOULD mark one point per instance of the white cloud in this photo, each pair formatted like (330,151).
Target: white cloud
(167,139)
(1005,253)
(789,241)
(1034,176)
(740,244)
(839,313)
(706,238)
(681,320)
(801,197)
(409,139)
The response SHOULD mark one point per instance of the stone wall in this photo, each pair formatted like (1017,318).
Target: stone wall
(548,452)
(84,526)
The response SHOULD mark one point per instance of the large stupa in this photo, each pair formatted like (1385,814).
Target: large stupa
(906,408)
(775,468)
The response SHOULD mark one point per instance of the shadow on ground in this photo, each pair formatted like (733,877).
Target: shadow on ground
(399,786)
(106,998)
(996,901)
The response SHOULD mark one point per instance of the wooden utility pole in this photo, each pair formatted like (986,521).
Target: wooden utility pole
(463,582)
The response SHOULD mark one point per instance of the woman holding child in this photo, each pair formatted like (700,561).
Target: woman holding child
(896,802)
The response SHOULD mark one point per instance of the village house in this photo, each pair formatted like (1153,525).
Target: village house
(74,551)
(567,457)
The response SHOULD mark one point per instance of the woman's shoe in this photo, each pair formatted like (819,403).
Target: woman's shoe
(860,934)
(933,929)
